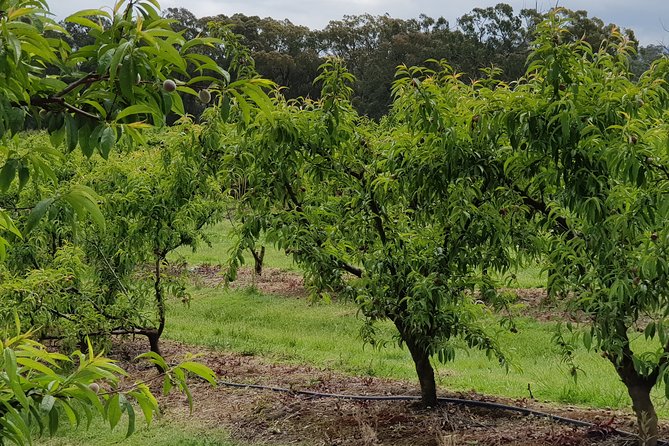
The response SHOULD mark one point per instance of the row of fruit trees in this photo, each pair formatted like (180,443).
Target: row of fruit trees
(410,217)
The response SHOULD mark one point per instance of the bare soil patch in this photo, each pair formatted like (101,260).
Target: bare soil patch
(272,281)
(269,418)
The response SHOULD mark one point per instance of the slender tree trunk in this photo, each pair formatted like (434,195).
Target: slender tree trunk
(258,257)
(154,335)
(424,370)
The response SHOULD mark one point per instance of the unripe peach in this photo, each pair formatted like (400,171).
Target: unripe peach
(204,96)
(169,85)
(95,387)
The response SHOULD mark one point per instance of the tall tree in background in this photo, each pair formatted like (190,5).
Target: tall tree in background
(373,46)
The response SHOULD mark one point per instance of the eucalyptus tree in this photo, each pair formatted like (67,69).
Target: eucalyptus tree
(588,147)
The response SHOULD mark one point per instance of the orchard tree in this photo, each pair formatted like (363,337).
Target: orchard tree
(93,97)
(402,217)
(589,148)
(134,56)
(73,280)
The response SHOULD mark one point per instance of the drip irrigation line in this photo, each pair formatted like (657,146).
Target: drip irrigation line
(456,401)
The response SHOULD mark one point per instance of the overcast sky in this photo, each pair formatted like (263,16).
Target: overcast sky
(648,18)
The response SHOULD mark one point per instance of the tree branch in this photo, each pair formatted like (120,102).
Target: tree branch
(349,268)
(89,79)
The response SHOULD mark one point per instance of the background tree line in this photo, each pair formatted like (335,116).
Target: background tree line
(373,46)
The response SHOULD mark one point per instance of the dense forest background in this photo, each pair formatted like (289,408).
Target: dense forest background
(373,46)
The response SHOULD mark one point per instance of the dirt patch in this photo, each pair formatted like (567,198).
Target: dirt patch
(268,417)
(272,281)
(535,303)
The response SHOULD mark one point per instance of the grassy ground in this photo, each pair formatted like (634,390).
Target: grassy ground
(221,241)
(326,335)
(186,432)
(294,330)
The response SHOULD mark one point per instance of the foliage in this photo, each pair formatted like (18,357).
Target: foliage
(38,388)
(94,96)
(375,212)
(154,200)
(591,146)
(133,52)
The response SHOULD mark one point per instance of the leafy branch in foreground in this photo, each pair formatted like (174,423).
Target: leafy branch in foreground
(38,387)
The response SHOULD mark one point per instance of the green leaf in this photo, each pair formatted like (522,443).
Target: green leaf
(24,176)
(47,403)
(53,422)
(136,109)
(116,60)
(587,339)
(200,370)
(167,385)
(71,133)
(131,418)
(35,365)
(107,141)
(8,173)
(72,415)
(113,410)
(37,213)
(85,140)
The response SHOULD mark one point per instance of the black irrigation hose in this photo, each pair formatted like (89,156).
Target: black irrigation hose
(458,401)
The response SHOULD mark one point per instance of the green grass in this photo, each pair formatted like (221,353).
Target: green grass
(219,251)
(529,277)
(326,335)
(163,432)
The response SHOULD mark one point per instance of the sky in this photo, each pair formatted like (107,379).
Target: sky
(648,18)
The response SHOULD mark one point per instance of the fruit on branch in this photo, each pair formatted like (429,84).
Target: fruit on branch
(205,96)
(169,85)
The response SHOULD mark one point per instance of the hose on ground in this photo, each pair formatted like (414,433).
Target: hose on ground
(448,400)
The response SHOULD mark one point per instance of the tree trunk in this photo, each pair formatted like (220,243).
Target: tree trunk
(638,387)
(258,257)
(645,413)
(154,339)
(154,335)
(424,370)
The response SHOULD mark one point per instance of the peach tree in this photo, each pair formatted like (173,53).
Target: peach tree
(402,216)
(587,148)
(94,97)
